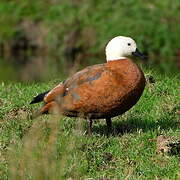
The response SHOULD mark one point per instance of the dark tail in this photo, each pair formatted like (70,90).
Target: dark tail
(39,98)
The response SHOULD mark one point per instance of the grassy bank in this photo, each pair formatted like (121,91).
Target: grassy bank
(53,147)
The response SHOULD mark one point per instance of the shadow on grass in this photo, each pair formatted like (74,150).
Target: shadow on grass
(134,124)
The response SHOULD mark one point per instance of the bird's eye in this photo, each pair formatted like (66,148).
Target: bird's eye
(129,44)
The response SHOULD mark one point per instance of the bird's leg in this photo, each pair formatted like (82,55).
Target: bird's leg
(89,121)
(109,124)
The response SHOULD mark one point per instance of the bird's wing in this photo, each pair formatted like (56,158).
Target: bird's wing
(88,74)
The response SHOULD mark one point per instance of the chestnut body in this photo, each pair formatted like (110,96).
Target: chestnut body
(99,91)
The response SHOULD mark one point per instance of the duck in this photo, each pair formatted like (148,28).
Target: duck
(100,91)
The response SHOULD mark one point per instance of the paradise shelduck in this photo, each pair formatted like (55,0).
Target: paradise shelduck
(99,91)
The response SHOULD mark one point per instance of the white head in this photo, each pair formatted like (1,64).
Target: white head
(120,47)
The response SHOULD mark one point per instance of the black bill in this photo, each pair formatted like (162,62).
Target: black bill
(139,54)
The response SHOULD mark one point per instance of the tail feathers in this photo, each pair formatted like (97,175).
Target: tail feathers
(39,98)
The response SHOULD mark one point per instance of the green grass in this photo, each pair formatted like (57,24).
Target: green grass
(53,147)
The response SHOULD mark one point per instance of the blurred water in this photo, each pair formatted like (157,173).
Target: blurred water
(36,68)
(7,71)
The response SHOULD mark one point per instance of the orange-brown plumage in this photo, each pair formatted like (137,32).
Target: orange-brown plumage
(99,91)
